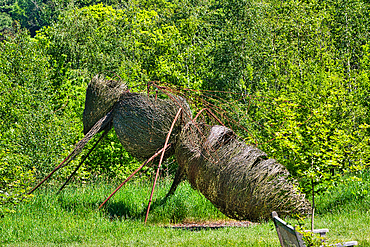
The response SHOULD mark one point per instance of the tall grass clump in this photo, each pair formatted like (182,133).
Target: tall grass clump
(346,196)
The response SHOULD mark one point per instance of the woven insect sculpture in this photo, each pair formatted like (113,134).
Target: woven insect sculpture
(239,179)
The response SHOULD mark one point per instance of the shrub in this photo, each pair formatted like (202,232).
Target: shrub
(14,181)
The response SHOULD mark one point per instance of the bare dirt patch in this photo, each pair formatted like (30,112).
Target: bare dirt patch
(211,225)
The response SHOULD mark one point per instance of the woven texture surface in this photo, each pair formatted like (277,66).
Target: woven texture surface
(238,179)
(142,123)
(101,95)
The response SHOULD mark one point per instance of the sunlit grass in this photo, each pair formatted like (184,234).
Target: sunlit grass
(72,218)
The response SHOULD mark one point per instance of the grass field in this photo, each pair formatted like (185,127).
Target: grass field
(72,218)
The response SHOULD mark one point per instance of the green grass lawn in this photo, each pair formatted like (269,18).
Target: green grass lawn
(72,218)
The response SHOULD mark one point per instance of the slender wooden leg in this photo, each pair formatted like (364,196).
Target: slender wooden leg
(138,169)
(179,177)
(83,160)
(102,124)
(160,162)
(51,173)
(210,112)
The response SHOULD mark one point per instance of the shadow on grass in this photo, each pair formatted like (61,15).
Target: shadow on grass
(121,209)
(79,204)
(112,209)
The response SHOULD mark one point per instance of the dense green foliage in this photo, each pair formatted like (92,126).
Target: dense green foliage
(36,14)
(311,58)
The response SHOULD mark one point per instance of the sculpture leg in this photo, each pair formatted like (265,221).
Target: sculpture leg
(138,169)
(51,173)
(83,160)
(103,123)
(211,113)
(160,162)
(179,177)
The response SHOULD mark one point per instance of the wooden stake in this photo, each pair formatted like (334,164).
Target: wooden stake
(51,173)
(160,162)
(83,160)
(313,203)
(138,169)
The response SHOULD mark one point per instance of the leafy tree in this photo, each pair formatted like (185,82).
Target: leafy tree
(294,52)
(14,182)
(35,14)
(5,21)
(132,44)
(33,130)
